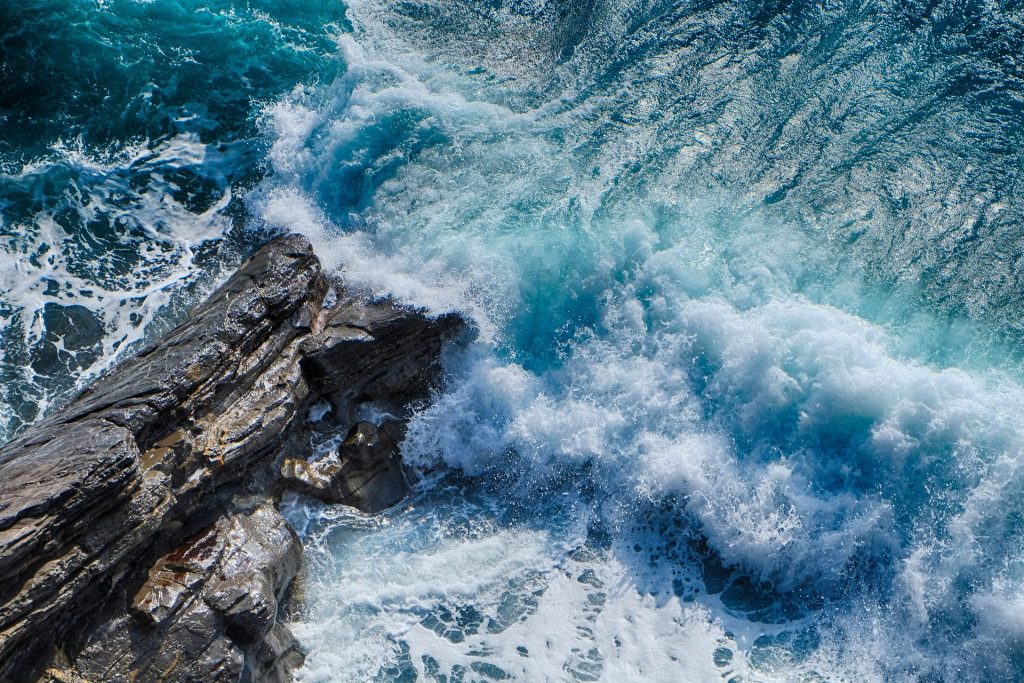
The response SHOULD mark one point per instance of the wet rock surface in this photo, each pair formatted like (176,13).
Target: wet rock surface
(365,471)
(139,538)
(209,608)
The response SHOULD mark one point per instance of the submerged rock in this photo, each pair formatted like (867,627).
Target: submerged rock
(139,539)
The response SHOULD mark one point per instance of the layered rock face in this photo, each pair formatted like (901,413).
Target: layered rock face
(139,537)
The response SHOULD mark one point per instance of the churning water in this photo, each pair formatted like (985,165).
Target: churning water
(745,400)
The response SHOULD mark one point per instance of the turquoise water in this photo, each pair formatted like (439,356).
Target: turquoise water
(129,134)
(744,399)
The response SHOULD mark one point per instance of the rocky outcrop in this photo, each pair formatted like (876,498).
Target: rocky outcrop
(139,539)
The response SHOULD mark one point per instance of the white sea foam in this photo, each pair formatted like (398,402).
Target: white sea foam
(446,587)
(644,346)
(49,266)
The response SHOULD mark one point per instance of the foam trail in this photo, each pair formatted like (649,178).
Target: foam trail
(402,609)
(69,315)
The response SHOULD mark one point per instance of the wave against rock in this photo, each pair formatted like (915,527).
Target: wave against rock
(139,534)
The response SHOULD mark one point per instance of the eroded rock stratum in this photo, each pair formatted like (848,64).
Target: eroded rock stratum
(139,534)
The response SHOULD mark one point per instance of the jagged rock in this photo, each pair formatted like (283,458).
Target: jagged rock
(364,472)
(138,539)
(207,608)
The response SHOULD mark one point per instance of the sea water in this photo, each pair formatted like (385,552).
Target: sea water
(743,400)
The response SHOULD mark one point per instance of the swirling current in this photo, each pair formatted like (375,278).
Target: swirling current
(745,398)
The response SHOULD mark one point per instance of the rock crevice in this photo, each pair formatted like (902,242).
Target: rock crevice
(139,537)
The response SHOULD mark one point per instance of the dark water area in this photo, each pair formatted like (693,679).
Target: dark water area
(128,134)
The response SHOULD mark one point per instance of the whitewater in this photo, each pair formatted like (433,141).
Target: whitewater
(743,399)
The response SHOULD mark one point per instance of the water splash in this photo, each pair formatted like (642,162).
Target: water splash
(701,246)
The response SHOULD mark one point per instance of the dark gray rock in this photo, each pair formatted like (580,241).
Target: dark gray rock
(209,608)
(364,472)
(138,534)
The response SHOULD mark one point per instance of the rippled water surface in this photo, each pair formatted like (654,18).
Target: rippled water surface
(744,400)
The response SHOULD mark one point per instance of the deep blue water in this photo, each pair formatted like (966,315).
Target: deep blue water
(745,400)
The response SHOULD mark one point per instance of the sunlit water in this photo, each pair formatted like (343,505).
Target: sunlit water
(744,400)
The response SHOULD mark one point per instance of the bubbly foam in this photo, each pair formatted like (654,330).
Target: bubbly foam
(776,480)
(447,585)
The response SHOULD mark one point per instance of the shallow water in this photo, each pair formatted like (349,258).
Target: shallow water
(743,400)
